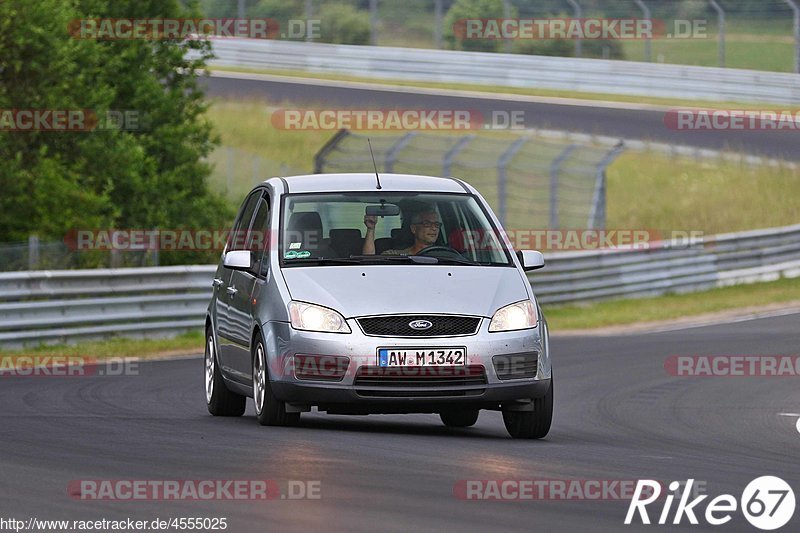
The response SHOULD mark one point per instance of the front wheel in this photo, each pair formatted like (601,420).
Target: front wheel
(459,419)
(531,424)
(219,400)
(270,411)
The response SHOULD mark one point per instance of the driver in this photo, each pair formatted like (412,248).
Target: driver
(425,227)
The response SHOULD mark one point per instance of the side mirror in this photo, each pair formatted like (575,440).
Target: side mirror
(530,259)
(238,260)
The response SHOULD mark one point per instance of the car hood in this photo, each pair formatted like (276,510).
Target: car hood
(377,290)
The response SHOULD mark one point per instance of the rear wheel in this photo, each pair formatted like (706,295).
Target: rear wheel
(531,424)
(219,400)
(270,411)
(459,419)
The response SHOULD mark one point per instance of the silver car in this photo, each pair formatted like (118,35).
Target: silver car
(359,294)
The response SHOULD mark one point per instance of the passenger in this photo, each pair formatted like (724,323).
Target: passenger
(425,227)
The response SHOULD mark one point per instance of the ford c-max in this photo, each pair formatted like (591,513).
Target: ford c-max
(360,294)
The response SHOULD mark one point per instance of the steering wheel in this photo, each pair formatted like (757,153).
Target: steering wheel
(439,248)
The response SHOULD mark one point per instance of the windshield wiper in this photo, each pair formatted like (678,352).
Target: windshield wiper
(420,259)
(458,260)
(320,260)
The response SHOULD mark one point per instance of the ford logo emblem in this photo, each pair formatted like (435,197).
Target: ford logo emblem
(420,324)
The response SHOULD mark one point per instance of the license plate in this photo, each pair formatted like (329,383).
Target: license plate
(405,357)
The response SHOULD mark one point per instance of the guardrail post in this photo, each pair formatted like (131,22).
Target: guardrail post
(597,217)
(391,153)
(437,24)
(328,147)
(578,15)
(720,31)
(648,44)
(502,163)
(796,10)
(373,22)
(33,252)
(555,167)
(450,155)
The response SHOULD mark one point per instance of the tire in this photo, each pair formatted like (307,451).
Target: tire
(532,424)
(219,400)
(460,419)
(270,411)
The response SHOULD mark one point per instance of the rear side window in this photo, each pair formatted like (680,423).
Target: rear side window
(258,237)
(238,237)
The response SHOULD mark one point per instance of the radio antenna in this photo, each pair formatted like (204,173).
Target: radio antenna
(374,165)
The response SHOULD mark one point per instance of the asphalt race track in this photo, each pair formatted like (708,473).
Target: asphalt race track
(619,416)
(642,124)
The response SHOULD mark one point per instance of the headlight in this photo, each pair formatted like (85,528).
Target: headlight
(310,317)
(521,315)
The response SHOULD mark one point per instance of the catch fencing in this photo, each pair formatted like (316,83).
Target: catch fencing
(60,306)
(529,182)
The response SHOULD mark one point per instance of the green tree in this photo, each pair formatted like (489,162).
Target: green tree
(343,24)
(472,9)
(153,176)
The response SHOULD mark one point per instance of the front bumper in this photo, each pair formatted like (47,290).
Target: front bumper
(351,395)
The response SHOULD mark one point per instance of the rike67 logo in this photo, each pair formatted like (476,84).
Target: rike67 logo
(767,503)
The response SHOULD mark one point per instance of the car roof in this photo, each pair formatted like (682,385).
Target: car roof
(360,182)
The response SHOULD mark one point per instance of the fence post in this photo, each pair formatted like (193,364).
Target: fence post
(578,15)
(309,17)
(450,155)
(721,31)
(33,252)
(373,22)
(328,147)
(437,28)
(796,10)
(256,170)
(391,153)
(597,217)
(555,168)
(648,45)
(229,167)
(507,14)
(502,163)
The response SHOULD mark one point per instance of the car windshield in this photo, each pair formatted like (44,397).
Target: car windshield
(388,228)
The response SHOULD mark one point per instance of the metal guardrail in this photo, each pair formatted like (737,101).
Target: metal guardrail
(58,306)
(513,70)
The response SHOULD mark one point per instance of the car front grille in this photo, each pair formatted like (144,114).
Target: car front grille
(516,365)
(399,325)
(418,382)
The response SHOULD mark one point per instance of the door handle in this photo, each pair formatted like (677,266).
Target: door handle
(232,290)
(216,283)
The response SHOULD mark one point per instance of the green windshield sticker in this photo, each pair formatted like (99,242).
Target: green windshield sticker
(290,255)
(303,254)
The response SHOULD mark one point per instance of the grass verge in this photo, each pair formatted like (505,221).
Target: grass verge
(185,344)
(673,306)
